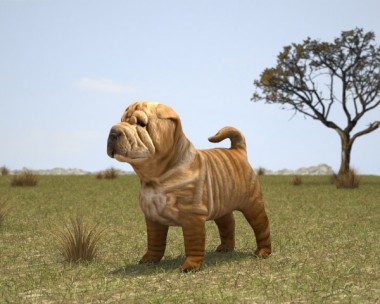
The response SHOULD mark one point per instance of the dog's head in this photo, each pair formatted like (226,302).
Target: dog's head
(147,131)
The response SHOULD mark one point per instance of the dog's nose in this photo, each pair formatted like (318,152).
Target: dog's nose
(113,136)
(112,141)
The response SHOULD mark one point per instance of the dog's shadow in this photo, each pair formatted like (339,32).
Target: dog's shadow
(173,264)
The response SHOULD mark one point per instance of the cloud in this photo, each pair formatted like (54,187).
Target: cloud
(103,85)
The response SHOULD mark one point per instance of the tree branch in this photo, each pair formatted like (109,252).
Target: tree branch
(317,115)
(372,127)
(344,99)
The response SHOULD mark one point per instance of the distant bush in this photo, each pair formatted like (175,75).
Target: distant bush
(3,211)
(78,242)
(349,180)
(296,181)
(26,178)
(110,173)
(261,171)
(4,170)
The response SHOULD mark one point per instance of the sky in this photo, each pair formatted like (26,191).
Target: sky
(68,70)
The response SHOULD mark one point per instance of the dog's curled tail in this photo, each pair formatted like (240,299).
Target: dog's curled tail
(237,139)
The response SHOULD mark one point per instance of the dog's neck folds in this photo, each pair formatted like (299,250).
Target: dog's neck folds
(157,169)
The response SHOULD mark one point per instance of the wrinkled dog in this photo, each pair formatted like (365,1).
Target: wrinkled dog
(183,186)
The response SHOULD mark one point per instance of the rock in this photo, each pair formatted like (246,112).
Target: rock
(54,171)
(321,169)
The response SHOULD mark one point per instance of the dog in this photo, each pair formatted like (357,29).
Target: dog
(183,186)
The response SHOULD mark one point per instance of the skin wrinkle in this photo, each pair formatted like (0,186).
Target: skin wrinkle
(182,186)
(214,186)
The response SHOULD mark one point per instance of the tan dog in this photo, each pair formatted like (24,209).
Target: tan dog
(182,186)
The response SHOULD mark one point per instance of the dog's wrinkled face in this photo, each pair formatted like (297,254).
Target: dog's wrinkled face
(146,129)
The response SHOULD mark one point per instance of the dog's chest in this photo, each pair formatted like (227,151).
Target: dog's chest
(158,205)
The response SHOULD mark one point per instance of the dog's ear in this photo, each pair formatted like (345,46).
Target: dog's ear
(166,112)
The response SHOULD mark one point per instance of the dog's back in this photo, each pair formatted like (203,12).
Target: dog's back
(229,180)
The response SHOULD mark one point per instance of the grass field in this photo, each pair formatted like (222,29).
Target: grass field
(326,244)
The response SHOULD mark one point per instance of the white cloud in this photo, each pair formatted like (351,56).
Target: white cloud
(103,85)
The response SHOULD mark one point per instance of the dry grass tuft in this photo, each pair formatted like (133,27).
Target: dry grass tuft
(261,171)
(3,211)
(349,180)
(79,243)
(26,178)
(110,173)
(4,170)
(297,181)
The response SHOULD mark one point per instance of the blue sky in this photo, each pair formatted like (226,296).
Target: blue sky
(68,69)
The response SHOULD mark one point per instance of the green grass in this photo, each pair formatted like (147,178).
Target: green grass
(326,244)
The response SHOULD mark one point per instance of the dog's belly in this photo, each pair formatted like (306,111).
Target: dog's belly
(208,201)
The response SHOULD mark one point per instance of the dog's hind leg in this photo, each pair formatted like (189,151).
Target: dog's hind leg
(255,214)
(226,227)
(157,234)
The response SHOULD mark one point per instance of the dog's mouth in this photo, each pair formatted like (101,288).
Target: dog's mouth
(121,158)
(127,157)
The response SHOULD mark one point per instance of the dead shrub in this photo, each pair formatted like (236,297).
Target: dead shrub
(110,173)
(26,178)
(348,180)
(297,181)
(4,171)
(261,171)
(78,242)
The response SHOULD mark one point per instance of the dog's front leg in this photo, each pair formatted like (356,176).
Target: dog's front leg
(194,236)
(156,235)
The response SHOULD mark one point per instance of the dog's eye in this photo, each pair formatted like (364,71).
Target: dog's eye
(141,124)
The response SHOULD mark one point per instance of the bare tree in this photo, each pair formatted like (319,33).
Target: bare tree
(317,78)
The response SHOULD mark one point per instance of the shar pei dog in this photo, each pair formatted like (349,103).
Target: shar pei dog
(183,186)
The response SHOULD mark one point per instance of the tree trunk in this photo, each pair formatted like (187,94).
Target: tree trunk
(346,153)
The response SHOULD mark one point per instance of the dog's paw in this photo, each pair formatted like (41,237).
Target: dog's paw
(224,248)
(263,252)
(192,263)
(150,258)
